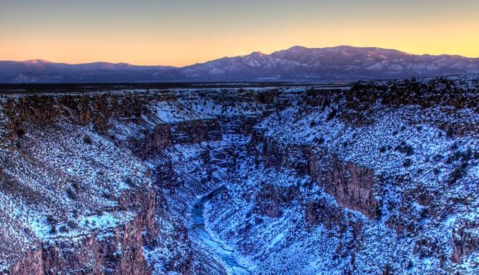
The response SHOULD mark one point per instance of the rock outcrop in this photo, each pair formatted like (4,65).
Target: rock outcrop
(301,180)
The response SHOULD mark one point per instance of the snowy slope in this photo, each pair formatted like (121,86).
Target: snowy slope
(379,178)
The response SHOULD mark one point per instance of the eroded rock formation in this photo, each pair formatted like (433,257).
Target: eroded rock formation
(308,180)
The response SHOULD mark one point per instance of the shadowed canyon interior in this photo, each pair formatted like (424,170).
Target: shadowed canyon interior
(377,178)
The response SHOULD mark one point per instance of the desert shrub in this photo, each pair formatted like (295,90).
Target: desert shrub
(75,213)
(407,163)
(72,194)
(457,174)
(75,186)
(63,229)
(438,157)
(51,220)
(454,147)
(129,182)
(319,140)
(331,115)
(405,149)
(450,132)
(87,140)
(20,133)
(466,155)
(409,150)
(72,224)
(463,156)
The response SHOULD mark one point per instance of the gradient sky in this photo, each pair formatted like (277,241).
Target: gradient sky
(181,32)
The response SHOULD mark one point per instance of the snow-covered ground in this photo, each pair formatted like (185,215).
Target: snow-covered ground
(378,178)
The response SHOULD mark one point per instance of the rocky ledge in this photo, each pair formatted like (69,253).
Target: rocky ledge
(377,178)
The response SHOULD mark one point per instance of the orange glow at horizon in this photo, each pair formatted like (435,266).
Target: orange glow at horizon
(184,38)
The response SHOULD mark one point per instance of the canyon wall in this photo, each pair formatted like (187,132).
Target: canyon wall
(308,180)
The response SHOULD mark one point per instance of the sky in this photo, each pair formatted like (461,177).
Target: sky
(184,32)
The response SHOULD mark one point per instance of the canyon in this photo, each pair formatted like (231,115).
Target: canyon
(372,178)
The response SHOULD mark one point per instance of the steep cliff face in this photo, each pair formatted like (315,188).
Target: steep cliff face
(81,203)
(350,184)
(379,178)
(117,251)
(465,240)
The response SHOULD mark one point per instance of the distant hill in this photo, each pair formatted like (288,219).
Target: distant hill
(336,64)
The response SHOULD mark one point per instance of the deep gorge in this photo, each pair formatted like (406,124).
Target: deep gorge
(305,180)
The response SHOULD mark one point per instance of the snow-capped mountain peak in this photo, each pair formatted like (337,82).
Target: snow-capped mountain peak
(333,64)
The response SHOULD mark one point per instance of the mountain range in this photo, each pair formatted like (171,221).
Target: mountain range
(299,64)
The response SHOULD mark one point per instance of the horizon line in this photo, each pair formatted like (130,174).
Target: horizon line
(206,61)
